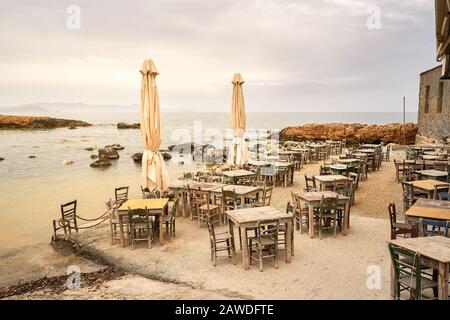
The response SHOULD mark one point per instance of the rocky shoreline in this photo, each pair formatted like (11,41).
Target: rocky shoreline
(353,133)
(8,122)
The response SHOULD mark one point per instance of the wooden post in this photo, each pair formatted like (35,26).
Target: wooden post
(404,120)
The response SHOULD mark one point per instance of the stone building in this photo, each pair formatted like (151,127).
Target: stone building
(434,95)
(434,107)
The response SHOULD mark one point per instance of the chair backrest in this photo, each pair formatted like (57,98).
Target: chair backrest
(229,200)
(441,166)
(408,195)
(328,204)
(267,196)
(342,187)
(202,198)
(429,228)
(121,194)
(175,207)
(310,181)
(324,170)
(69,211)
(442,192)
(137,213)
(407,264)
(392,214)
(268,229)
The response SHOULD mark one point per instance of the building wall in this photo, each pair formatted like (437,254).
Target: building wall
(434,127)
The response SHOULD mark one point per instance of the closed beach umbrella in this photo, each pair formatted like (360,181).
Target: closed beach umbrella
(238,154)
(154,172)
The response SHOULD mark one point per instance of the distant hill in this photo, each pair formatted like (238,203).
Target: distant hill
(39,108)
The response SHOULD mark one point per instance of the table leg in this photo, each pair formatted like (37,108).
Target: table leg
(345,223)
(289,240)
(242,200)
(311,221)
(233,244)
(122,237)
(245,253)
(161,228)
(392,283)
(443,281)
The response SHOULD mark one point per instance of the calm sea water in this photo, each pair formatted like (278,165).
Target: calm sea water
(31,190)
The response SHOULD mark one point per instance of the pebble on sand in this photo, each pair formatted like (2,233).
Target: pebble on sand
(67,162)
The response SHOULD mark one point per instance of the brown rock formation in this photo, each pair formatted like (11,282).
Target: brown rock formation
(353,133)
(26,122)
(123,125)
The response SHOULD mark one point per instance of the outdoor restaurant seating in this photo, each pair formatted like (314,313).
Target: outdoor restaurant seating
(220,242)
(326,217)
(141,227)
(265,243)
(301,214)
(402,229)
(408,274)
(170,219)
(206,209)
(121,195)
(429,228)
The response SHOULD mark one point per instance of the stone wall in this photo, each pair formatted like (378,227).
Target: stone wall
(433,126)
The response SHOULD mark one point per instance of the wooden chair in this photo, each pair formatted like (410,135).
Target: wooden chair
(266,239)
(205,208)
(269,175)
(266,198)
(441,192)
(121,194)
(114,222)
(408,196)
(310,182)
(69,217)
(141,226)
(229,201)
(327,214)
(325,170)
(301,214)
(408,275)
(220,242)
(386,154)
(169,220)
(429,228)
(402,229)
(343,187)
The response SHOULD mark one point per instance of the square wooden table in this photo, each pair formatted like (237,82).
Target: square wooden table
(156,207)
(248,218)
(429,209)
(329,179)
(241,191)
(339,168)
(348,161)
(236,174)
(435,174)
(435,254)
(313,199)
(427,186)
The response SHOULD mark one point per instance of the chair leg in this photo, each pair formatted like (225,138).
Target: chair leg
(276,256)
(260,257)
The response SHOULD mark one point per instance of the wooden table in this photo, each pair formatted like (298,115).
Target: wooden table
(371,146)
(156,207)
(348,161)
(313,199)
(329,179)
(435,254)
(181,186)
(368,151)
(339,168)
(427,186)
(237,174)
(241,191)
(288,173)
(248,218)
(432,173)
(429,209)
(430,157)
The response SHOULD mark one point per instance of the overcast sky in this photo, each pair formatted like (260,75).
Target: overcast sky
(303,55)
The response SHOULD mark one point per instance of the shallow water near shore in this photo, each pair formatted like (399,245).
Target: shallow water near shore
(32,189)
